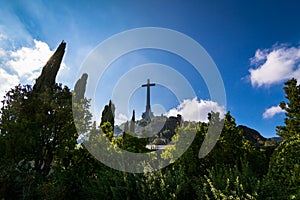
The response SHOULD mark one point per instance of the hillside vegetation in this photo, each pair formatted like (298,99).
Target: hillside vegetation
(41,158)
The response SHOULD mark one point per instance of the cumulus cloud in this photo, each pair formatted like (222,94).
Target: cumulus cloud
(270,112)
(27,62)
(194,110)
(21,56)
(2,36)
(120,119)
(275,65)
(22,66)
(2,52)
(7,81)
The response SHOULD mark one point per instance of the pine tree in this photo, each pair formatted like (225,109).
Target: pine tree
(50,70)
(292,108)
(132,123)
(108,114)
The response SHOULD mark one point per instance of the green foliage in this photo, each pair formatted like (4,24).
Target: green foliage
(36,120)
(285,166)
(230,182)
(238,192)
(229,148)
(108,130)
(191,154)
(283,179)
(292,108)
(164,184)
(40,158)
(258,160)
(81,115)
(38,137)
(134,144)
(108,114)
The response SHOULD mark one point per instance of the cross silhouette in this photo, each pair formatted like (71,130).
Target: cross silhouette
(148,114)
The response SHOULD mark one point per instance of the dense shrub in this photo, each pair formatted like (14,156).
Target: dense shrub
(284,167)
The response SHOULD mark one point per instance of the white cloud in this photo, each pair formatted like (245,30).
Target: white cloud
(27,62)
(22,66)
(2,36)
(21,56)
(7,81)
(270,112)
(260,55)
(194,110)
(275,65)
(2,52)
(120,119)
(13,33)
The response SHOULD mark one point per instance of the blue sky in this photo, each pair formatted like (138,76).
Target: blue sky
(254,44)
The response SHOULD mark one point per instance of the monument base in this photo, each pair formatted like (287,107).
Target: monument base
(147,115)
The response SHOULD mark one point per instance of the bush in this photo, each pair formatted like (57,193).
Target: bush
(284,167)
(227,182)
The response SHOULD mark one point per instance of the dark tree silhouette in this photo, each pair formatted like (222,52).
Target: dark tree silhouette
(49,72)
(292,108)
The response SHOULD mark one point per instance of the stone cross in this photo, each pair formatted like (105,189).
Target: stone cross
(148,114)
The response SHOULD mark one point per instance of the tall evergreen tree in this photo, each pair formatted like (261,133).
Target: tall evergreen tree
(292,108)
(49,72)
(132,122)
(80,88)
(108,114)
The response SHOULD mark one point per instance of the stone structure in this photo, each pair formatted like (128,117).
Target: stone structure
(148,114)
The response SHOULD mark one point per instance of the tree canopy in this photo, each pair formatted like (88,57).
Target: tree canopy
(292,108)
(41,159)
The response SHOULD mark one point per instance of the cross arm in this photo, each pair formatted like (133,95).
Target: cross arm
(146,85)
